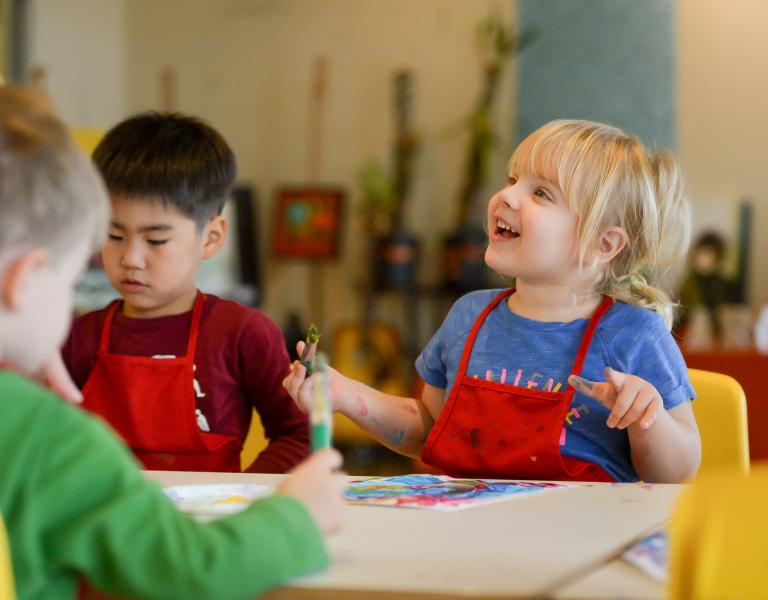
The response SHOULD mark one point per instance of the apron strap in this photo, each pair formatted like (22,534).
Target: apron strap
(586,339)
(581,355)
(469,344)
(194,327)
(106,329)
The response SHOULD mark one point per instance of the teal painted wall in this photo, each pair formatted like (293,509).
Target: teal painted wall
(606,60)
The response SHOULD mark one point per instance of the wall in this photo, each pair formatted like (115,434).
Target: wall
(606,60)
(81,44)
(723,117)
(246,66)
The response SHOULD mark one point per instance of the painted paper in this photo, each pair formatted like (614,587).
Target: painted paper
(442,493)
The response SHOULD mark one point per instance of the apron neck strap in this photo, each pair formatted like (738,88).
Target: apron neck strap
(581,355)
(475,328)
(194,327)
(589,333)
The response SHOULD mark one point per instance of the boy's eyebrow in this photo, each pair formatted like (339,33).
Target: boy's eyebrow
(145,228)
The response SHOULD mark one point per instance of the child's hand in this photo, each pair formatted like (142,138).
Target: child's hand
(57,378)
(319,484)
(300,387)
(630,398)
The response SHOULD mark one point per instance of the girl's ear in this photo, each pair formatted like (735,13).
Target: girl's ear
(17,277)
(611,242)
(214,235)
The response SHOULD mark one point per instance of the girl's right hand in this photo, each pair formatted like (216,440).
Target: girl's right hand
(301,388)
(319,485)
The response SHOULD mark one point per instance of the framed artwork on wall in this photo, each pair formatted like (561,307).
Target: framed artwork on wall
(307,222)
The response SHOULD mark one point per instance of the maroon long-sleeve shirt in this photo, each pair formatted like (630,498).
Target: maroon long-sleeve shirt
(240,363)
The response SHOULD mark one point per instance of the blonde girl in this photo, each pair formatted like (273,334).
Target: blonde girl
(572,374)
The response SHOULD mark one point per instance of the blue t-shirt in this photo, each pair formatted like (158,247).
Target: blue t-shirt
(519,351)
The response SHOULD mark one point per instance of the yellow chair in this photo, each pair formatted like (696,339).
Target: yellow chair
(254,443)
(6,572)
(721,413)
(719,537)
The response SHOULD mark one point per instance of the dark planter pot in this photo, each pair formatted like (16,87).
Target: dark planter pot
(464,266)
(395,259)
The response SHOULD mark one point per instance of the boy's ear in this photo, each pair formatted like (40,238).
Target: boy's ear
(611,242)
(17,276)
(214,235)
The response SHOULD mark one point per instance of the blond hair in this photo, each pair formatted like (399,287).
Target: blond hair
(50,194)
(609,178)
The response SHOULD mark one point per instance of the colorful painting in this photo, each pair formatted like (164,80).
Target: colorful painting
(307,223)
(434,492)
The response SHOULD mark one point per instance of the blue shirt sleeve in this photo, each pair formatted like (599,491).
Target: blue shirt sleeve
(643,346)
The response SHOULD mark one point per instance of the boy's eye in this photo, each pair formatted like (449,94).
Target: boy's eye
(115,238)
(156,242)
(543,194)
(511,180)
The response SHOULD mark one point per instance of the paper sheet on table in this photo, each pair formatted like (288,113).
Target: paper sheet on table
(216,499)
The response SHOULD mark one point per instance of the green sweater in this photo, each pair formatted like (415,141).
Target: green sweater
(76,505)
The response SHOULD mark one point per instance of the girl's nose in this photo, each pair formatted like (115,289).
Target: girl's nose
(510,196)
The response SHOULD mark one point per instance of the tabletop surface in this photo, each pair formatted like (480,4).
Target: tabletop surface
(525,546)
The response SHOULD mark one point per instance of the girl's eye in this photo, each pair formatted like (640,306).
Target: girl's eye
(156,242)
(511,180)
(543,194)
(115,238)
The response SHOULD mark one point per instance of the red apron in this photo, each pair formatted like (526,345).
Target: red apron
(495,430)
(150,402)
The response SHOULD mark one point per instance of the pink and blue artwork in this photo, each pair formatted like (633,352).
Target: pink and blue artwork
(435,492)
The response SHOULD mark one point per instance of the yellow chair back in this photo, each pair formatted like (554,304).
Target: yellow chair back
(6,572)
(719,537)
(721,413)
(254,443)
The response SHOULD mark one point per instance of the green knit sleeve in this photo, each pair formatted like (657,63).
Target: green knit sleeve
(105,521)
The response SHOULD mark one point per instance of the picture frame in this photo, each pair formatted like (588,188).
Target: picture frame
(307,222)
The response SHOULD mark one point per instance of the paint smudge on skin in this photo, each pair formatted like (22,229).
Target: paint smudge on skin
(362,409)
(408,408)
(474,437)
(583,383)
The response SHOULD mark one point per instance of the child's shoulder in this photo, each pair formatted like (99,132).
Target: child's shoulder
(626,324)
(27,406)
(230,315)
(629,316)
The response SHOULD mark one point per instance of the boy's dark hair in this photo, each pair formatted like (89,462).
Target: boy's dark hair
(174,157)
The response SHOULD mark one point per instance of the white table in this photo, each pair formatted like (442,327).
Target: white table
(526,546)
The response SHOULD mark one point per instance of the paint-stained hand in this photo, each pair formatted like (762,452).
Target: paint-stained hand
(301,388)
(630,398)
(318,483)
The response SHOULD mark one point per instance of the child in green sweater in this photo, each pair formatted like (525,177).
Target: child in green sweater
(74,502)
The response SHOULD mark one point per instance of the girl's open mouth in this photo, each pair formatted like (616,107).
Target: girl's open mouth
(506,231)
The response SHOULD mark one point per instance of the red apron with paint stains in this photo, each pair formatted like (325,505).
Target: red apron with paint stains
(495,430)
(150,402)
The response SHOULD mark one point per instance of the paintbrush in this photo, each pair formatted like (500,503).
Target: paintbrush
(310,346)
(320,415)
